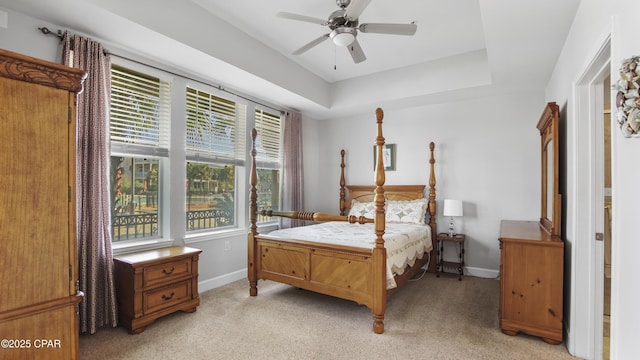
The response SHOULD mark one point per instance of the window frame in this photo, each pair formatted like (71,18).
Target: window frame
(172,213)
(202,157)
(271,164)
(160,153)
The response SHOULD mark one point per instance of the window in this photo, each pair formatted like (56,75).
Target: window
(210,196)
(135,207)
(139,131)
(215,144)
(192,185)
(268,160)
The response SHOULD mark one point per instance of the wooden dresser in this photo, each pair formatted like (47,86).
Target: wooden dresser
(155,283)
(38,258)
(531,281)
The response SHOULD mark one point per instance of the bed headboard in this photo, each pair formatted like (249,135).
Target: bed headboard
(365,193)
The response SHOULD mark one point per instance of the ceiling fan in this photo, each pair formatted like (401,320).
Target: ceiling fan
(344,27)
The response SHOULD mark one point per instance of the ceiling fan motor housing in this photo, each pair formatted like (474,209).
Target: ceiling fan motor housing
(337,19)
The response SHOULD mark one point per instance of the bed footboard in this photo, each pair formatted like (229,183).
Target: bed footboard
(342,272)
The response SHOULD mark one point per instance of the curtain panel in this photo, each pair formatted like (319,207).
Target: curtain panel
(292,169)
(95,256)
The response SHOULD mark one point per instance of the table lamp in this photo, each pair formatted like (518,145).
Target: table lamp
(452,208)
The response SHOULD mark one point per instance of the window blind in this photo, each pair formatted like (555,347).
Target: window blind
(140,112)
(269,139)
(215,128)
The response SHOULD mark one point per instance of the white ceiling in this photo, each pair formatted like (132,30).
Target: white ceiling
(439,34)
(462,48)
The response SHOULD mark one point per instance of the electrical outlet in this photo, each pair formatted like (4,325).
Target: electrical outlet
(227,245)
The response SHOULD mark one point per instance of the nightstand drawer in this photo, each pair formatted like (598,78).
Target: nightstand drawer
(165,273)
(165,297)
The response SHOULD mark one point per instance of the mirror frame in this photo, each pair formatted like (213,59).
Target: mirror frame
(549,132)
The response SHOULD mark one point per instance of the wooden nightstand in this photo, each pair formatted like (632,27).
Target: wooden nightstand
(155,283)
(458,239)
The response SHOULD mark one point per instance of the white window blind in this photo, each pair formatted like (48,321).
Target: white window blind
(140,112)
(215,128)
(269,139)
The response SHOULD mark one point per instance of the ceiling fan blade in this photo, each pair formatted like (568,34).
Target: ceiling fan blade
(309,19)
(393,29)
(355,9)
(356,52)
(311,44)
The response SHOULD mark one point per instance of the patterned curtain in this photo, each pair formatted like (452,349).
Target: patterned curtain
(292,174)
(95,257)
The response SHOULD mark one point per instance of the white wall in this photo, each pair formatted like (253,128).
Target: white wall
(487,154)
(22,36)
(626,206)
(595,21)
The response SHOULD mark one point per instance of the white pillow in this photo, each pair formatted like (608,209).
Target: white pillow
(366,209)
(406,211)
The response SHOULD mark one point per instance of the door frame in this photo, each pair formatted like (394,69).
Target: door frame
(588,204)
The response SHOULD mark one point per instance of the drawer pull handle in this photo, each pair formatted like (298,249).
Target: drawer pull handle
(165,297)
(164,271)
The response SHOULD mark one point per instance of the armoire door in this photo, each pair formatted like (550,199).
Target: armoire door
(38,259)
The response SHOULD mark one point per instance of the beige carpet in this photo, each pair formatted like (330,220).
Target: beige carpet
(430,318)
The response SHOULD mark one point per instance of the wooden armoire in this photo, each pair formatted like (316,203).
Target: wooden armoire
(38,258)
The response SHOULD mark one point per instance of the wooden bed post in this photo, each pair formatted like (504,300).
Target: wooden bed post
(432,207)
(343,205)
(379,251)
(253,216)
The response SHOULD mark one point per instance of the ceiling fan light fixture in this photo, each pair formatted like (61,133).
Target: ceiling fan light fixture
(343,36)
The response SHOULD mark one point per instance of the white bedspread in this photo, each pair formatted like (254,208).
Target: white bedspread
(404,242)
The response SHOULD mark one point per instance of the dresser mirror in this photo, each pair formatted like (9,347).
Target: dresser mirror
(551,206)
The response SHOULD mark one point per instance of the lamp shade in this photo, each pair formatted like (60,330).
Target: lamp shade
(452,208)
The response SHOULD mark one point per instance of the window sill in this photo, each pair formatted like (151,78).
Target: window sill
(141,245)
(208,236)
(224,234)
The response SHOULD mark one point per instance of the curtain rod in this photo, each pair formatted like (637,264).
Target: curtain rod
(60,34)
(46,31)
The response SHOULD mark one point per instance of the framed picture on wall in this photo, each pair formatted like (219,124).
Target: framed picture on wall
(388,156)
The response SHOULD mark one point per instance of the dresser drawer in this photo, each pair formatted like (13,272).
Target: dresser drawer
(155,300)
(165,273)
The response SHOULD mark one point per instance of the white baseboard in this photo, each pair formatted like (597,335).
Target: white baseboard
(481,272)
(222,280)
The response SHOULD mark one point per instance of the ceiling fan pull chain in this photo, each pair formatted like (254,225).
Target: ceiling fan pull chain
(335,66)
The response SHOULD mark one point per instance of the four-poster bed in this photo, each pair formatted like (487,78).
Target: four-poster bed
(364,273)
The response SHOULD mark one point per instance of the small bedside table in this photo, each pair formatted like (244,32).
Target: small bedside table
(155,283)
(458,239)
